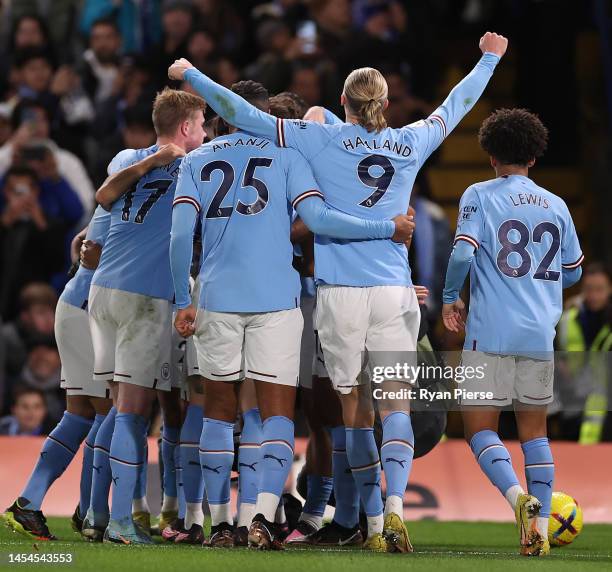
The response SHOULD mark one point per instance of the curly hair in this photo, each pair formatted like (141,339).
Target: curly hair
(288,105)
(513,136)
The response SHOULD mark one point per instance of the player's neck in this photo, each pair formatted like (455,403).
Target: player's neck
(350,118)
(164,140)
(505,170)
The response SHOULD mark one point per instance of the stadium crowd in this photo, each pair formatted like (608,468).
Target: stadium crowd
(77,84)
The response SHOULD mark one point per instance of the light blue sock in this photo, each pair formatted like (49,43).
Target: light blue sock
(277,445)
(345,488)
(365,465)
(58,450)
(170,439)
(127,459)
(140,490)
(249,457)
(101,476)
(180,489)
(494,459)
(318,492)
(540,472)
(397,452)
(86,470)
(193,484)
(216,459)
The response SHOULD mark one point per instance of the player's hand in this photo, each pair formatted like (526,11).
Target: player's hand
(421,293)
(90,254)
(166,154)
(178,68)
(184,321)
(453,316)
(404,227)
(494,43)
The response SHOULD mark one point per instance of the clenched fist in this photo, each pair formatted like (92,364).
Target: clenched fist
(494,43)
(178,68)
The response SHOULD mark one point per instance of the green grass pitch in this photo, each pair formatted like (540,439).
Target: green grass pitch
(455,546)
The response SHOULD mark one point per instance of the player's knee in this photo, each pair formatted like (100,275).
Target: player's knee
(80,405)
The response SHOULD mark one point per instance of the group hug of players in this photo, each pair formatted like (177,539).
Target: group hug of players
(260,187)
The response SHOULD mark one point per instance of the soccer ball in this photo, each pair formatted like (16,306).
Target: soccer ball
(565,521)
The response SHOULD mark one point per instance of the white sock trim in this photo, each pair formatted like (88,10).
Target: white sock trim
(375,525)
(246,512)
(140,505)
(169,504)
(221,513)
(542,524)
(312,519)
(512,495)
(193,514)
(394,504)
(267,503)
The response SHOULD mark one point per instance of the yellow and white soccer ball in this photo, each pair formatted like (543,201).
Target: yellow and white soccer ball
(565,521)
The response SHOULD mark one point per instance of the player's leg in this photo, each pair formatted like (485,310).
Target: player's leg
(171,409)
(58,450)
(480,421)
(76,352)
(193,484)
(344,528)
(101,406)
(272,360)
(534,385)
(342,320)
(318,454)
(103,331)
(249,461)
(219,342)
(142,365)
(392,340)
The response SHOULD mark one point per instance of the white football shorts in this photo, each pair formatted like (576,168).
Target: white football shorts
(132,337)
(262,346)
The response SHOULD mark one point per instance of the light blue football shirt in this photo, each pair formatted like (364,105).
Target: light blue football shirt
(76,291)
(524,236)
(244,188)
(369,175)
(136,254)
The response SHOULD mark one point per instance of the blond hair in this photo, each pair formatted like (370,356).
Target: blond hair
(365,90)
(171,107)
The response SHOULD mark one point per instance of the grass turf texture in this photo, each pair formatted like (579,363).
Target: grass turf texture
(439,545)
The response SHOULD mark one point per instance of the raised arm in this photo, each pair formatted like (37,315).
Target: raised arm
(120,182)
(462,98)
(228,105)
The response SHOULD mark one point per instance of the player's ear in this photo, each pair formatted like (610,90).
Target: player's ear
(493,162)
(531,163)
(342,100)
(386,104)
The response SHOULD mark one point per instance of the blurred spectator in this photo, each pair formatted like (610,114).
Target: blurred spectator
(431,247)
(585,334)
(69,108)
(28,414)
(28,31)
(32,243)
(35,321)
(278,47)
(138,21)
(136,132)
(30,127)
(42,371)
(306,82)
(227,72)
(100,65)
(201,51)
(134,86)
(177,22)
